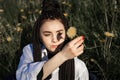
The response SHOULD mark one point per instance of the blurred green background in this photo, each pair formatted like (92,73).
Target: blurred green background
(97,20)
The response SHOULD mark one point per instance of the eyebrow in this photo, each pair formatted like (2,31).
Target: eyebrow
(51,32)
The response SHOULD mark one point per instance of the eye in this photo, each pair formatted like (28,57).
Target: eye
(46,34)
(59,36)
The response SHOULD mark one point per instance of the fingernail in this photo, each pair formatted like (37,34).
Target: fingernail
(83,37)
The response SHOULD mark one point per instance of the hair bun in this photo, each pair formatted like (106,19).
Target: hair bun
(50,5)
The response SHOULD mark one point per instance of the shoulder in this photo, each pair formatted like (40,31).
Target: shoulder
(81,71)
(79,62)
(27,47)
(80,65)
(27,50)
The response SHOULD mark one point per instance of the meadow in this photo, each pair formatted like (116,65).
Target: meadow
(97,20)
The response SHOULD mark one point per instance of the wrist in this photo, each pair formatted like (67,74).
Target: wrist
(62,56)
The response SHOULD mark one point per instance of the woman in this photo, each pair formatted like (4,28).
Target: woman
(52,56)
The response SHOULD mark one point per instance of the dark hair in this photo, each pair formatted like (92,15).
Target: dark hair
(51,11)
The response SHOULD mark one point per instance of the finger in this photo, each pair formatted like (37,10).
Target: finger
(79,53)
(81,38)
(79,43)
(81,48)
(75,40)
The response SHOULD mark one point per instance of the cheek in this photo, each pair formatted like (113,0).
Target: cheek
(45,40)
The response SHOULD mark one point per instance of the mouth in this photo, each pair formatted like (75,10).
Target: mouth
(54,46)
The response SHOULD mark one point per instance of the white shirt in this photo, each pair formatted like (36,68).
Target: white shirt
(28,69)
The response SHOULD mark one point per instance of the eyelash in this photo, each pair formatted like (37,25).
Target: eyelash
(60,33)
(49,34)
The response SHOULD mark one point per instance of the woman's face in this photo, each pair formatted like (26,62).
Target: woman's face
(52,33)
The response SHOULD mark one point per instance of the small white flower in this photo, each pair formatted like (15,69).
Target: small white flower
(108,34)
(1,10)
(65,14)
(18,29)
(9,39)
(71,33)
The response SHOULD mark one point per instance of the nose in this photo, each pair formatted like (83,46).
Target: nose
(54,38)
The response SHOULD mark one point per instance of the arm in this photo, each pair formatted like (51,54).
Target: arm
(52,64)
(27,69)
(71,50)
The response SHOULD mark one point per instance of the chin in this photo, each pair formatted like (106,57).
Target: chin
(53,50)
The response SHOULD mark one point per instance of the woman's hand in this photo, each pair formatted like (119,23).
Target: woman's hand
(73,48)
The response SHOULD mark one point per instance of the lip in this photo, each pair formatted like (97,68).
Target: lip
(54,46)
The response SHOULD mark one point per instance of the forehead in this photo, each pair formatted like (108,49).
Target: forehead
(52,25)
